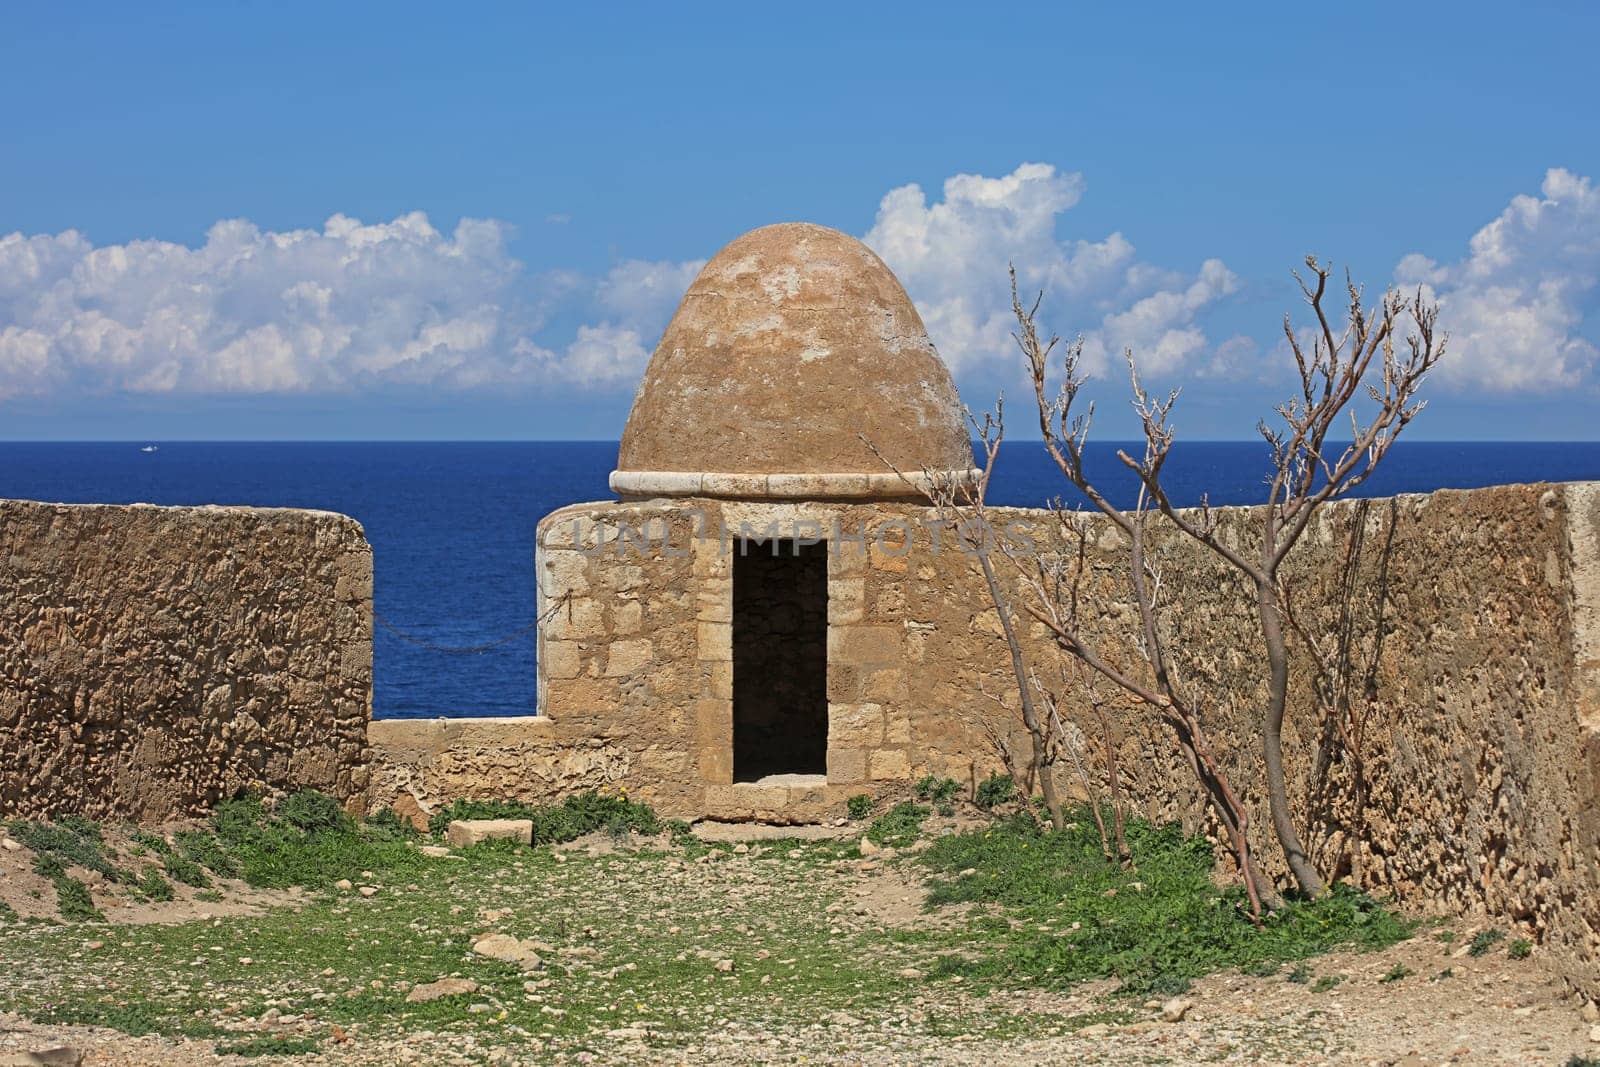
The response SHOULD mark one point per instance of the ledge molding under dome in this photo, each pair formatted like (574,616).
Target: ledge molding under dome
(855,485)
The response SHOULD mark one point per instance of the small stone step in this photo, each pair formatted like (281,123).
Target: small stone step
(465,832)
(50,1057)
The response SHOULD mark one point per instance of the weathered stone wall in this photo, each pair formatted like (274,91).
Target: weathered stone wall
(155,660)
(419,764)
(1468,775)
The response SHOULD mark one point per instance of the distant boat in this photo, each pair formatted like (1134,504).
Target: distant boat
(149,448)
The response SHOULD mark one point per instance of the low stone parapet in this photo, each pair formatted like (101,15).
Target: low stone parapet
(155,660)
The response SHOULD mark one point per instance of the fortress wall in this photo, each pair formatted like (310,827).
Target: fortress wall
(1468,776)
(155,660)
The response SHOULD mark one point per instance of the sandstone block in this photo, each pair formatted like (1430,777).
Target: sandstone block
(666,761)
(464,833)
(714,641)
(714,600)
(888,764)
(562,572)
(711,560)
(561,659)
(885,685)
(855,725)
(444,987)
(713,720)
(846,559)
(627,617)
(577,618)
(625,658)
(846,765)
(847,601)
(722,680)
(864,644)
(716,764)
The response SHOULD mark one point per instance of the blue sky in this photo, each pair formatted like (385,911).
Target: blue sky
(168,175)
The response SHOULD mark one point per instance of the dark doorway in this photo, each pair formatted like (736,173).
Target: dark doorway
(780,659)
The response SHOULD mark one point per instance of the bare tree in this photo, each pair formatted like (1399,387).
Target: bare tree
(1336,367)
(1180,706)
(1344,683)
(1074,675)
(961,503)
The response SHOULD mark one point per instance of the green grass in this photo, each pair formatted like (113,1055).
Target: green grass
(307,841)
(860,806)
(1484,940)
(899,826)
(74,902)
(940,792)
(1520,949)
(635,935)
(135,1020)
(584,813)
(994,790)
(1155,926)
(185,870)
(154,886)
(203,848)
(347,961)
(71,841)
(268,1046)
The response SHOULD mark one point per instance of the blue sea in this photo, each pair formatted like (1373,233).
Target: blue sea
(452,524)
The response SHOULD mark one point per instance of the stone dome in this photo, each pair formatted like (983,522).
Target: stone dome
(793,343)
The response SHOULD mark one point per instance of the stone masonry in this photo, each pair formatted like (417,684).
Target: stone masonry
(156,660)
(1471,618)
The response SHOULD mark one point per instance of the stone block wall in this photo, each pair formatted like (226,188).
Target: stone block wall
(1468,774)
(1470,622)
(156,660)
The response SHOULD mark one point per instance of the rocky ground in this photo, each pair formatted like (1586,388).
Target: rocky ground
(742,949)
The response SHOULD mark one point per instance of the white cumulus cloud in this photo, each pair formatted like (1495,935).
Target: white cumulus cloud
(1517,305)
(343,307)
(255,311)
(351,305)
(952,256)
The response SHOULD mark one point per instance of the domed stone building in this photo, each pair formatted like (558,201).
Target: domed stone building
(793,344)
(744,605)
(765,622)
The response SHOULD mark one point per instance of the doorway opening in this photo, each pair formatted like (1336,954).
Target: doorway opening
(780,659)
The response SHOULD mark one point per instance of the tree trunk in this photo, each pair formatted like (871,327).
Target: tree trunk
(1272,740)
(1030,715)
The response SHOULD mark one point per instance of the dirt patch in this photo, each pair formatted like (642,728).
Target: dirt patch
(712,830)
(107,1048)
(32,895)
(761,952)
(894,897)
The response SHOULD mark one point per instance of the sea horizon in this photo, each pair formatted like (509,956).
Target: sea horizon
(451,523)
